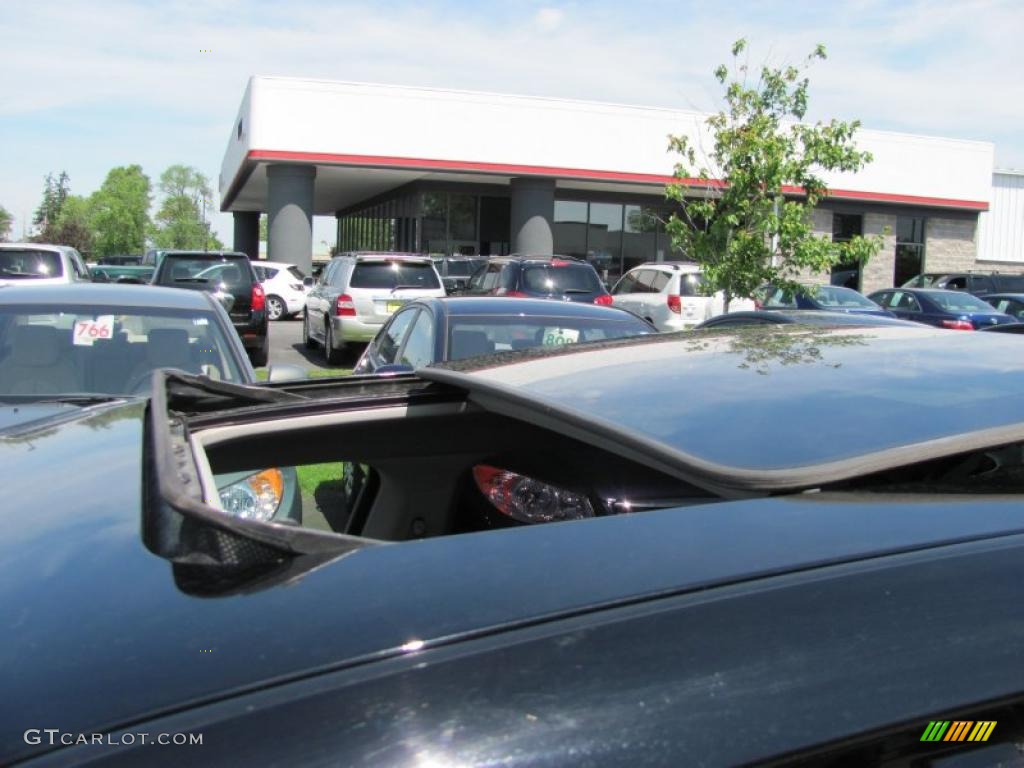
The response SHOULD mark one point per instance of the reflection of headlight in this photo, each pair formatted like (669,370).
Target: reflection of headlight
(527,500)
(256,497)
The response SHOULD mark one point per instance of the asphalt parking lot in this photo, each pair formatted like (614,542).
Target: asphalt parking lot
(286,347)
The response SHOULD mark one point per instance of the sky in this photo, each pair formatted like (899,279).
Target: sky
(89,86)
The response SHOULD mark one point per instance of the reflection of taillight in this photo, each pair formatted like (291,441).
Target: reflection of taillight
(604,300)
(344,306)
(527,500)
(675,304)
(958,325)
(259,298)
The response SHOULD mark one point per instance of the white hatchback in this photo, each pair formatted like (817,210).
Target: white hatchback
(670,295)
(41,264)
(282,284)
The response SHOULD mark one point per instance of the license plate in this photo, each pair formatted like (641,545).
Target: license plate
(393,306)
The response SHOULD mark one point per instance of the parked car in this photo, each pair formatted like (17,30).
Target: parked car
(120,273)
(829,601)
(229,276)
(455,271)
(358,292)
(282,284)
(671,295)
(798,316)
(64,347)
(830,298)
(1011,304)
(539,277)
(955,310)
(978,283)
(41,263)
(428,331)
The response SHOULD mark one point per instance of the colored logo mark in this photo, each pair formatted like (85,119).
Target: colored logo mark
(958,730)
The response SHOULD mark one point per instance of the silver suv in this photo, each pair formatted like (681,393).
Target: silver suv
(41,264)
(357,293)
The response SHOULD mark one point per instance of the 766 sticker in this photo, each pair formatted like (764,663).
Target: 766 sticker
(88,331)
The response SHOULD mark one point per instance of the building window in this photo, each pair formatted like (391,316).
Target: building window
(495,225)
(909,248)
(570,228)
(639,239)
(845,227)
(434,222)
(604,240)
(462,224)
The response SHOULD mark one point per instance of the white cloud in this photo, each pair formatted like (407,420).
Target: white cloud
(929,67)
(549,19)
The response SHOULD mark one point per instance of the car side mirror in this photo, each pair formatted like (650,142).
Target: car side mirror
(308,282)
(394,369)
(286,372)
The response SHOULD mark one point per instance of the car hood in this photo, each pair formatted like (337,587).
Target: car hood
(103,633)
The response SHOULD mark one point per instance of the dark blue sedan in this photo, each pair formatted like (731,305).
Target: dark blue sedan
(433,330)
(829,298)
(956,310)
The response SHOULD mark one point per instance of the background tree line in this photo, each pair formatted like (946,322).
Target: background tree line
(115,219)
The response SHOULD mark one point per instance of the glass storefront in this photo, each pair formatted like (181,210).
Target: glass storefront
(909,248)
(614,237)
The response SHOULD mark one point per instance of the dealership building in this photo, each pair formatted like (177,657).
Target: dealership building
(439,171)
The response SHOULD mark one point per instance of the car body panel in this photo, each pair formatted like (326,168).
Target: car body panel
(645,291)
(373,306)
(96,607)
(445,312)
(921,305)
(820,379)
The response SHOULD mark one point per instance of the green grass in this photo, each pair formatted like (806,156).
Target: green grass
(312,475)
(313,373)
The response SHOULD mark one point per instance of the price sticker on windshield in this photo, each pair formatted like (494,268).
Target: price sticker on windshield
(86,332)
(556,337)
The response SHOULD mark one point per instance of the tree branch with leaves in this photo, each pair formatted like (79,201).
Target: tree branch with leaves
(744,211)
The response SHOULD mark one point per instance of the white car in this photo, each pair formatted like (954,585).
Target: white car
(41,264)
(670,295)
(282,283)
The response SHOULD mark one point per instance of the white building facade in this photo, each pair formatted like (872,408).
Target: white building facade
(438,171)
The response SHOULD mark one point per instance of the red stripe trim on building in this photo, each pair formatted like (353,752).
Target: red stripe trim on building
(506,169)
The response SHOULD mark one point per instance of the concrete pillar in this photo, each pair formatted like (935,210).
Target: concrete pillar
(247,233)
(533,209)
(290,213)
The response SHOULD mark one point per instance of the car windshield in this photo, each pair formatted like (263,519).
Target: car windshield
(691,284)
(559,277)
(463,267)
(954,301)
(923,281)
(29,263)
(394,274)
(50,350)
(227,272)
(832,297)
(469,336)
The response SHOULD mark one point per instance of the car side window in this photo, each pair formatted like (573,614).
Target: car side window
(626,285)
(79,268)
(956,283)
(490,278)
(904,302)
(881,299)
(341,271)
(391,339)
(661,279)
(644,278)
(419,344)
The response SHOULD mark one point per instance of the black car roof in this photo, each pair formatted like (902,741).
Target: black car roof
(206,254)
(109,634)
(456,306)
(104,294)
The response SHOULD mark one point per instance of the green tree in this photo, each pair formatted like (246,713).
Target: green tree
(6,221)
(73,225)
(181,219)
(55,192)
(120,212)
(264,228)
(742,226)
